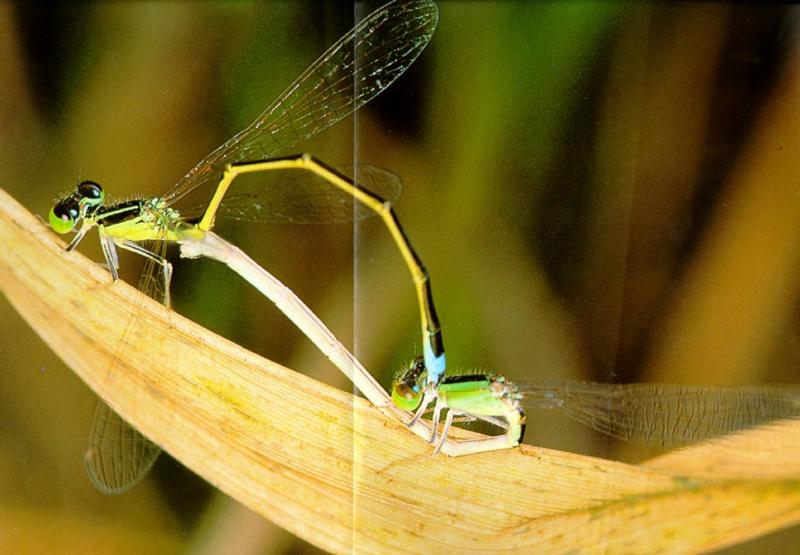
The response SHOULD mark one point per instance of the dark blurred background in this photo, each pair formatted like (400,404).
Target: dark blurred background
(600,190)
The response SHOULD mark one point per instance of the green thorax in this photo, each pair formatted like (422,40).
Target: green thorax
(142,220)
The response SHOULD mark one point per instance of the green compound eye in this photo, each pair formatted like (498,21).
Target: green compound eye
(404,397)
(64,215)
(406,390)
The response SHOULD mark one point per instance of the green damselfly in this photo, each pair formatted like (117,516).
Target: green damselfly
(349,74)
(659,415)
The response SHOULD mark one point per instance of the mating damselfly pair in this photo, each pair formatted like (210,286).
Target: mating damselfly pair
(355,69)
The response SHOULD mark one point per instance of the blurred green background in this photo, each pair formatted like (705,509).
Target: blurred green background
(600,191)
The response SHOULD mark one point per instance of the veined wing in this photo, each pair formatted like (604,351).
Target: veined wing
(665,415)
(119,456)
(304,198)
(349,74)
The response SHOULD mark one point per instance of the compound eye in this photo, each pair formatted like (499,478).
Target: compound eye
(407,392)
(64,215)
(90,193)
(404,397)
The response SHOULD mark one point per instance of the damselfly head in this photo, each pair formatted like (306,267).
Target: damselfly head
(88,196)
(65,214)
(406,388)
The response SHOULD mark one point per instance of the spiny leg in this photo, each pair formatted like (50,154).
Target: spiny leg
(448,421)
(78,237)
(110,254)
(437,412)
(427,397)
(166,267)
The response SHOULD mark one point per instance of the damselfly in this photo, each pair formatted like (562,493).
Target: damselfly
(660,415)
(354,70)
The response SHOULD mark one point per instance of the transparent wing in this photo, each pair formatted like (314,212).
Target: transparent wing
(349,74)
(304,198)
(118,455)
(664,415)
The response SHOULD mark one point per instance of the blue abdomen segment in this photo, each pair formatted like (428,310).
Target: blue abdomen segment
(435,365)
